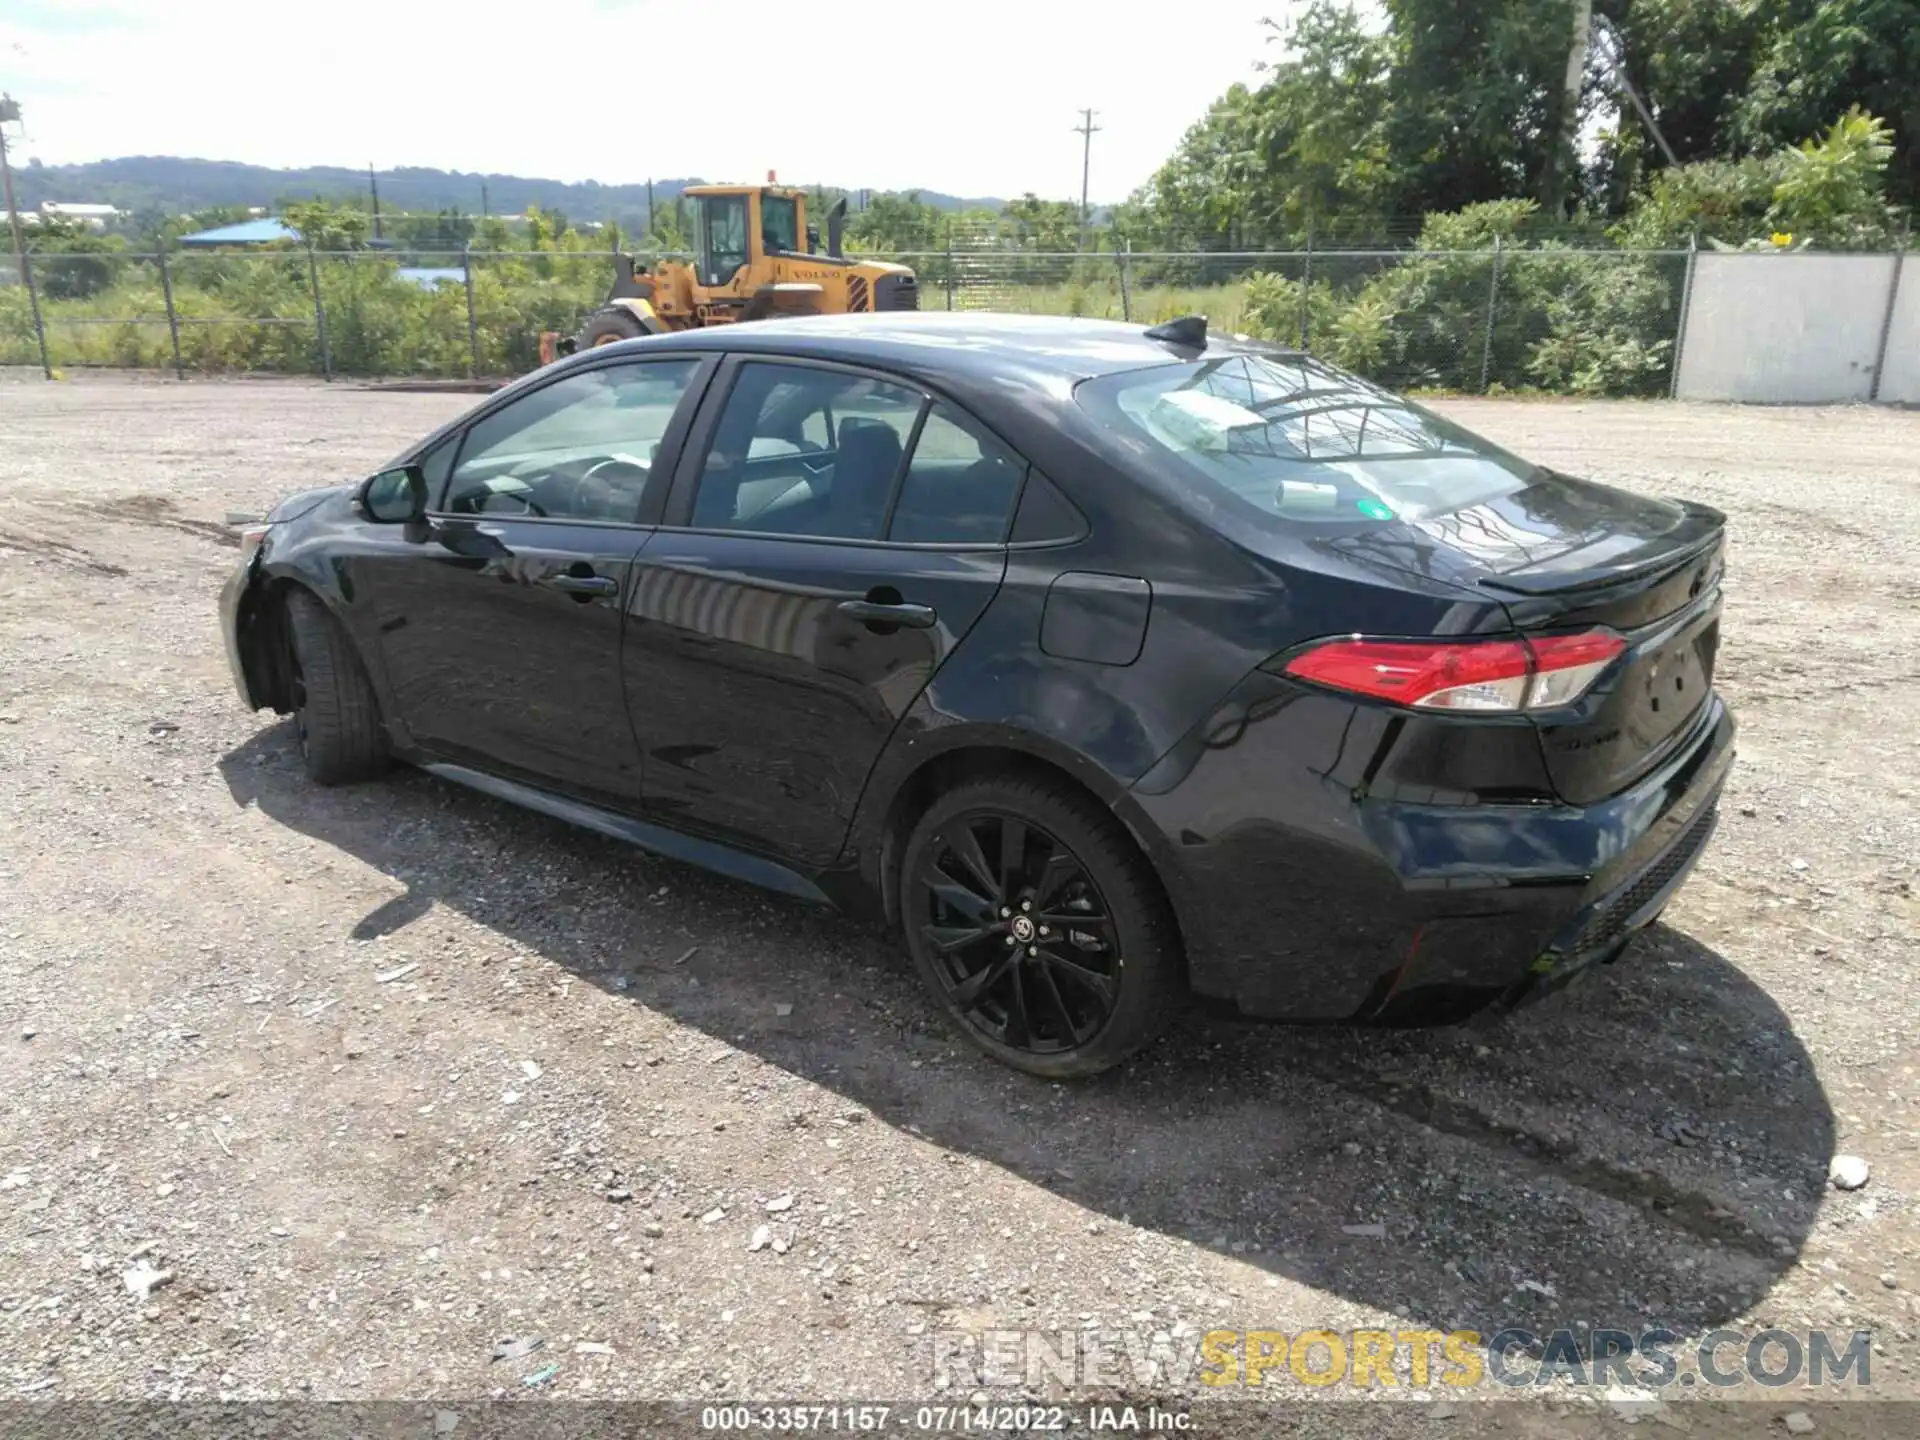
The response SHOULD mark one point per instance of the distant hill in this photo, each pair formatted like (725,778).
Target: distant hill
(175,185)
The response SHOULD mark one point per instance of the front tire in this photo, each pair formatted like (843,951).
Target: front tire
(1039,927)
(336,717)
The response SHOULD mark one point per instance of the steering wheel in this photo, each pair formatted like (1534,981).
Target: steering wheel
(633,473)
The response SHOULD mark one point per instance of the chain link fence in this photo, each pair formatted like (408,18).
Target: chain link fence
(1546,317)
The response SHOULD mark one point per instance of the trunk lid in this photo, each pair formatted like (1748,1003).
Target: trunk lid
(1565,555)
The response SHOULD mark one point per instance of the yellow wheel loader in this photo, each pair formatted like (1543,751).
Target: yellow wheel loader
(757,258)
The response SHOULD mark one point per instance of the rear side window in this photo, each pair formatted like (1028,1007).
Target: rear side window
(801,450)
(960,486)
(1289,439)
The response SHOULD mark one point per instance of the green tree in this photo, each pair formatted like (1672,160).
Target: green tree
(1476,111)
(1030,223)
(1446,104)
(446,231)
(1822,56)
(895,225)
(325,225)
(72,261)
(1829,191)
(1832,188)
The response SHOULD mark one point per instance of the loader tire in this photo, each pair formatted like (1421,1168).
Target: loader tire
(609,327)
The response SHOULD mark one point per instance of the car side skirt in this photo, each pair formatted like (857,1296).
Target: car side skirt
(707,854)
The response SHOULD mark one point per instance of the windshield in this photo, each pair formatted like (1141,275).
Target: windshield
(1293,439)
(777,222)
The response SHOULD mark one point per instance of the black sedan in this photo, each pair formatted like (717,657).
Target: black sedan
(1110,664)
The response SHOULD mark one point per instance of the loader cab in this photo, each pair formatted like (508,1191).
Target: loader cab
(741,225)
(725,235)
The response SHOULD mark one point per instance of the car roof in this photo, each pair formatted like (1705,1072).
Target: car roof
(961,345)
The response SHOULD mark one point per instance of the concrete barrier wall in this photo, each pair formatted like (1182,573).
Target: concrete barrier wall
(1789,328)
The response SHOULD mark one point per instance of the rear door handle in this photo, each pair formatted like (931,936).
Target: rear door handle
(584,584)
(875,612)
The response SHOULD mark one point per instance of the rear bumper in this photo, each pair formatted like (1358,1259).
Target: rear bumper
(1355,908)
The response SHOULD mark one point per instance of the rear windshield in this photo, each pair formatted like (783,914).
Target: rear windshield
(1295,440)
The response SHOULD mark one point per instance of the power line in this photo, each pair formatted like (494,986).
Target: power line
(1086,130)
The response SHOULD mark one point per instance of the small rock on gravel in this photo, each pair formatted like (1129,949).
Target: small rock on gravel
(762,1238)
(1848,1172)
(143,1280)
(779,1203)
(1798,1422)
(518,1348)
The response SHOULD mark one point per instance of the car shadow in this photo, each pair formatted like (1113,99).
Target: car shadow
(1649,1148)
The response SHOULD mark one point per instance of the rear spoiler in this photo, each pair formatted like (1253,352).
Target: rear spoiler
(1703,529)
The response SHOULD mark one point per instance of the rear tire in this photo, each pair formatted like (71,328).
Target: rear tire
(1039,927)
(609,327)
(336,717)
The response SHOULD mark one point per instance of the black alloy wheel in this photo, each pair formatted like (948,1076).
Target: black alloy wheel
(1040,929)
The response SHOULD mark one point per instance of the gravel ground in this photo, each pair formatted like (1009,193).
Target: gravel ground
(385,1075)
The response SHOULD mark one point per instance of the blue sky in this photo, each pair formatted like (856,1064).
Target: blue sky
(971,97)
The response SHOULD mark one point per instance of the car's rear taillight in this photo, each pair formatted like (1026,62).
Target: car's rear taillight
(1468,675)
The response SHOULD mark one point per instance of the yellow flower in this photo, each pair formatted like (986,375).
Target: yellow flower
(1782,239)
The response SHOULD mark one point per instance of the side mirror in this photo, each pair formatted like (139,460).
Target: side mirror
(394,497)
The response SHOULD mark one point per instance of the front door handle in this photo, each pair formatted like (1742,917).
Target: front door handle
(877,612)
(584,584)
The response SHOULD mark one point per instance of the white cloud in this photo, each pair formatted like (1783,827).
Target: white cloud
(973,96)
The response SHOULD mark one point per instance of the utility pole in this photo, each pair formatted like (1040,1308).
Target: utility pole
(373,184)
(1555,182)
(1086,130)
(484,211)
(649,206)
(10,110)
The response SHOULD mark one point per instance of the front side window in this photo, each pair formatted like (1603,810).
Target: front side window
(779,228)
(725,241)
(1288,439)
(768,469)
(580,448)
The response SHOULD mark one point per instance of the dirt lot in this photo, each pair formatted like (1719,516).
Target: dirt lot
(570,1113)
